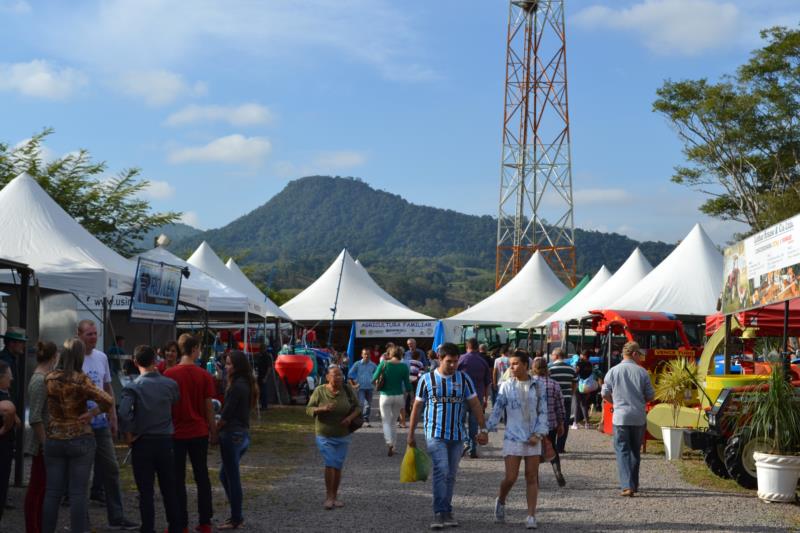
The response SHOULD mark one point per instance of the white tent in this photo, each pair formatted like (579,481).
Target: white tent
(533,289)
(633,270)
(687,282)
(221,298)
(575,307)
(65,257)
(244,285)
(360,298)
(209,262)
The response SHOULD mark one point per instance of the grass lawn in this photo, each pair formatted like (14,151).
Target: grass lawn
(277,441)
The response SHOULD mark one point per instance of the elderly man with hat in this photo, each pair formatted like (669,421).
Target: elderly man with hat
(14,340)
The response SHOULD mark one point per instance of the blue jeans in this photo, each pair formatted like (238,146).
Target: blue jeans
(472,431)
(68,461)
(628,447)
(232,445)
(105,460)
(445,455)
(365,399)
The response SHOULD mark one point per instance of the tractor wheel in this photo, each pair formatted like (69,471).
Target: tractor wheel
(714,455)
(739,459)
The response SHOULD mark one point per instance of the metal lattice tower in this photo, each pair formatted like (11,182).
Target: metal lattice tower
(536,207)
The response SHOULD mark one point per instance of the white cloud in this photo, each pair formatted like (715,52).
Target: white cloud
(242,115)
(607,197)
(685,27)
(235,149)
(339,160)
(40,79)
(18,7)
(158,190)
(191,218)
(159,87)
(377,33)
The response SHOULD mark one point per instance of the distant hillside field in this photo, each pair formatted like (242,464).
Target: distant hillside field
(437,261)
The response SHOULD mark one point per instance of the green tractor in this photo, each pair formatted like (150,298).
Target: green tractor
(488,334)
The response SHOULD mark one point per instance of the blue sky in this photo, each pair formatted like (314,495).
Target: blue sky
(222,103)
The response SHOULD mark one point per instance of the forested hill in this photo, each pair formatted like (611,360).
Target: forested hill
(434,260)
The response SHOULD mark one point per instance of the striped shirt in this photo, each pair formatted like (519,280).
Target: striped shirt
(445,401)
(564,375)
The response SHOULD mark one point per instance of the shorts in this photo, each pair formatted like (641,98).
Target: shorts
(521,449)
(333,450)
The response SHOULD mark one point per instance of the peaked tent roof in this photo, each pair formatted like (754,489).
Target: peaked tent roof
(632,271)
(574,307)
(536,318)
(687,282)
(221,298)
(360,298)
(534,288)
(65,257)
(209,262)
(243,284)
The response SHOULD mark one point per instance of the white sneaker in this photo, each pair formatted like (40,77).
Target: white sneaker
(574,426)
(530,522)
(499,512)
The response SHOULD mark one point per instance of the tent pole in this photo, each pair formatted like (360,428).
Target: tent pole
(336,300)
(726,355)
(19,458)
(786,357)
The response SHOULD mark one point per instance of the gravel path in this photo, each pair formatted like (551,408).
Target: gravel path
(377,501)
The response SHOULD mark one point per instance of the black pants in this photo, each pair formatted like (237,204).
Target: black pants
(151,457)
(197,449)
(561,441)
(6,456)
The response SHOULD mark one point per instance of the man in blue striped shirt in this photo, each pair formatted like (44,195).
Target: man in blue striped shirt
(442,395)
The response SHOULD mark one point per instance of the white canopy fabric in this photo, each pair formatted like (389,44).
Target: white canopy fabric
(632,271)
(243,284)
(221,298)
(360,298)
(209,262)
(687,282)
(575,307)
(65,257)
(533,289)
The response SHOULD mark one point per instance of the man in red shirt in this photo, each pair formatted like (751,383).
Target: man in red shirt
(193,417)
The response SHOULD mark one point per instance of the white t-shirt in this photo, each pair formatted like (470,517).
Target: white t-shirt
(501,364)
(95,365)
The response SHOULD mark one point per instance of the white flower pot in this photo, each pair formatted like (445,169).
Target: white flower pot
(673,442)
(777,476)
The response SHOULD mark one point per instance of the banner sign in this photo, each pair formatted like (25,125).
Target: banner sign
(418,328)
(763,269)
(555,331)
(155,291)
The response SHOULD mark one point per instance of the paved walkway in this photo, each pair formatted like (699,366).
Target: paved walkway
(377,501)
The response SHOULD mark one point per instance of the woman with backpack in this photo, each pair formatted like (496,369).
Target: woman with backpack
(587,387)
(525,405)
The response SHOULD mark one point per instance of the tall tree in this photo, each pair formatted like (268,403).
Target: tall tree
(741,136)
(112,209)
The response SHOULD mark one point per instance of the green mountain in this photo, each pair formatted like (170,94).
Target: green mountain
(176,232)
(434,260)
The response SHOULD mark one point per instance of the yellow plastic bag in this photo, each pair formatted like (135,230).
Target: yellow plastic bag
(416,466)
(408,468)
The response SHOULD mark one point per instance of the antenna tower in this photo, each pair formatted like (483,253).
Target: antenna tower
(536,207)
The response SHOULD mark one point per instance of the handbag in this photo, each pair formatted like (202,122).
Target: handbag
(358,421)
(380,381)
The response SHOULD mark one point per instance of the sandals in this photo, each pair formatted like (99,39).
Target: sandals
(338,504)
(328,505)
(230,524)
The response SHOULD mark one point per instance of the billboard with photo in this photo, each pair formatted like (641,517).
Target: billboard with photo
(155,291)
(763,269)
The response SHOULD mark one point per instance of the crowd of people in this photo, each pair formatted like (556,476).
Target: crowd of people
(449,393)
(168,414)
